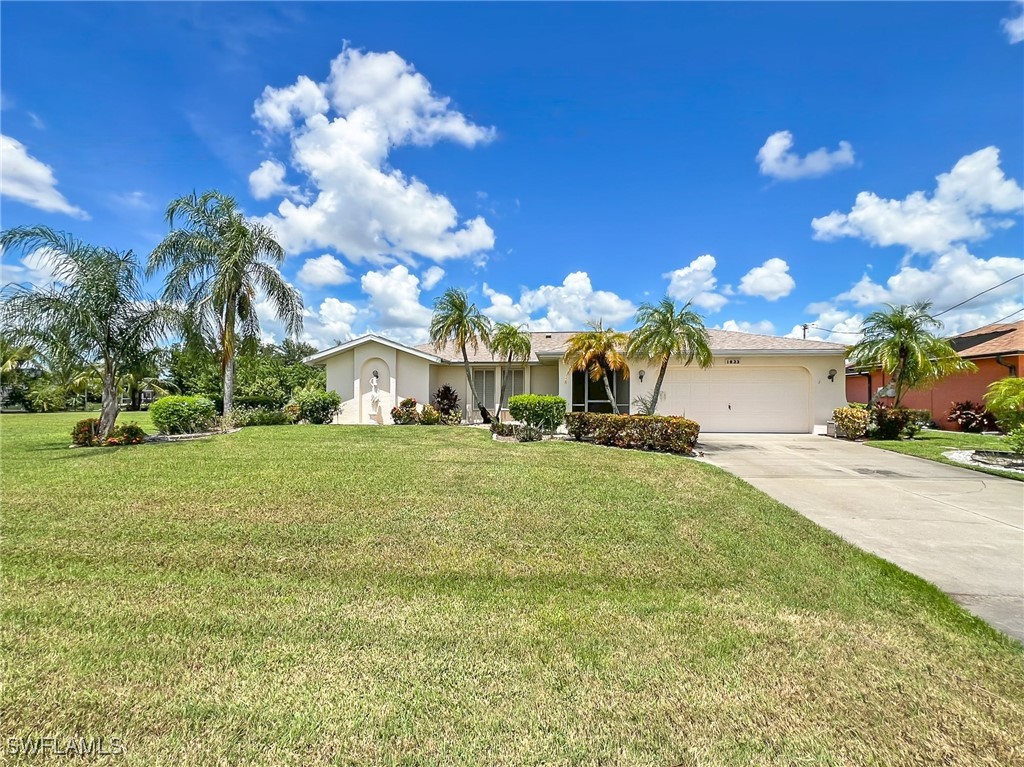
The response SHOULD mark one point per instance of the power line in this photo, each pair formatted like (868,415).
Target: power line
(957,306)
(944,311)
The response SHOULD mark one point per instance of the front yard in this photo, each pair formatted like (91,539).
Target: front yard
(422,596)
(932,443)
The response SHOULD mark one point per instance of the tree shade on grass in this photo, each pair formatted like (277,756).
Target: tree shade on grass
(300,595)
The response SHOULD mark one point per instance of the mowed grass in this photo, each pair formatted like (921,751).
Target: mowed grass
(425,596)
(932,443)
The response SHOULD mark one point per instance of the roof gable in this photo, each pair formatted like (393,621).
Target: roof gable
(320,357)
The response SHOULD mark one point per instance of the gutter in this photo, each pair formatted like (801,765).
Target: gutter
(1007,365)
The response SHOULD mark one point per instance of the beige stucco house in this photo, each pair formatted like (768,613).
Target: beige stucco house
(756,384)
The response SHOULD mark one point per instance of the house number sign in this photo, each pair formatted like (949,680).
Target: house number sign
(732,361)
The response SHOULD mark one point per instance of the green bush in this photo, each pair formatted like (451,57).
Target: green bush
(502,429)
(126,434)
(405,412)
(317,405)
(1005,400)
(430,416)
(1015,441)
(86,432)
(544,411)
(852,422)
(528,433)
(897,422)
(260,416)
(664,434)
(292,411)
(46,397)
(971,417)
(179,414)
(262,392)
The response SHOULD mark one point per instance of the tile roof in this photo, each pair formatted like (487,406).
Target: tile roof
(991,340)
(722,341)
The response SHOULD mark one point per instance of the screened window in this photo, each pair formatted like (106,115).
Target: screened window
(516,385)
(483,382)
(591,396)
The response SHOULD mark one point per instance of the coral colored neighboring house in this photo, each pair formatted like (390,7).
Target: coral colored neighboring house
(997,350)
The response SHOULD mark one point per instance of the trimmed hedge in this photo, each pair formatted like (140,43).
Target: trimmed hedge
(660,433)
(178,414)
(896,422)
(544,411)
(317,405)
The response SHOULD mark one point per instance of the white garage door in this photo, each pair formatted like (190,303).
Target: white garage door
(740,399)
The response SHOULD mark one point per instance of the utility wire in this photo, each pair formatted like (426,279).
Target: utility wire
(944,311)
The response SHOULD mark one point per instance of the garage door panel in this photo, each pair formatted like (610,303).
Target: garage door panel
(740,400)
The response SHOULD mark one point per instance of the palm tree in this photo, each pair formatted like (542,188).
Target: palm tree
(598,352)
(664,332)
(457,320)
(96,302)
(901,342)
(143,372)
(512,343)
(219,264)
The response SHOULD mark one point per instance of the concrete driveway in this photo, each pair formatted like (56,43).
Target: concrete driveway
(960,529)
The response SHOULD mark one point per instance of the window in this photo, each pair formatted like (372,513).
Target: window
(483,383)
(516,384)
(591,396)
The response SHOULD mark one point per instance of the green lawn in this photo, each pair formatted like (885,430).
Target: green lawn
(932,443)
(424,596)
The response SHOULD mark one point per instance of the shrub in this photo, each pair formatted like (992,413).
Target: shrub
(85,433)
(852,422)
(317,405)
(292,411)
(1015,441)
(543,411)
(971,417)
(405,413)
(263,392)
(502,429)
(1005,400)
(528,433)
(183,414)
(126,434)
(258,416)
(446,400)
(664,434)
(896,422)
(430,416)
(47,397)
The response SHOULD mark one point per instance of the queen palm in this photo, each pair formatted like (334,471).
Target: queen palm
(458,321)
(664,332)
(599,352)
(219,265)
(901,342)
(513,344)
(96,302)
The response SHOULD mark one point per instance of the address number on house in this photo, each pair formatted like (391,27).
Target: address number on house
(732,361)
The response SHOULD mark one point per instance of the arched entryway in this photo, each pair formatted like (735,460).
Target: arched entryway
(375,404)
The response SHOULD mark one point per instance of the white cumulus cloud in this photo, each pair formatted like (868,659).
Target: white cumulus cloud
(696,282)
(778,160)
(36,268)
(26,179)
(1014,27)
(771,280)
(761,327)
(431,276)
(569,306)
(323,270)
(967,204)
(268,180)
(341,133)
(395,299)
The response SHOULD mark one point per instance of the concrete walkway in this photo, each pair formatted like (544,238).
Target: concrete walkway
(960,529)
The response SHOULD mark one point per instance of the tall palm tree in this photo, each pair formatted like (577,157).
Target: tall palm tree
(663,332)
(599,352)
(96,301)
(457,320)
(901,342)
(513,344)
(219,263)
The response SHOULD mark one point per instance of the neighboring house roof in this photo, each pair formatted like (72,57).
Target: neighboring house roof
(723,342)
(320,357)
(990,340)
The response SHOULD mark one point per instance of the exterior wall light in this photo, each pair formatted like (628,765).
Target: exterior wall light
(640,375)
(832,374)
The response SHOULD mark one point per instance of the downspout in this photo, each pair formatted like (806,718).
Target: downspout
(1007,365)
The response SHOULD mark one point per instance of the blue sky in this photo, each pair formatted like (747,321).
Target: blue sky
(778,164)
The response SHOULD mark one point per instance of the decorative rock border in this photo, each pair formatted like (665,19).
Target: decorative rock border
(967,458)
(189,437)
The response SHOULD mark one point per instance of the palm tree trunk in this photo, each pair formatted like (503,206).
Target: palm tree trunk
(135,397)
(504,382)
(108,409)
(657,386)
(608,390)
(229,384)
